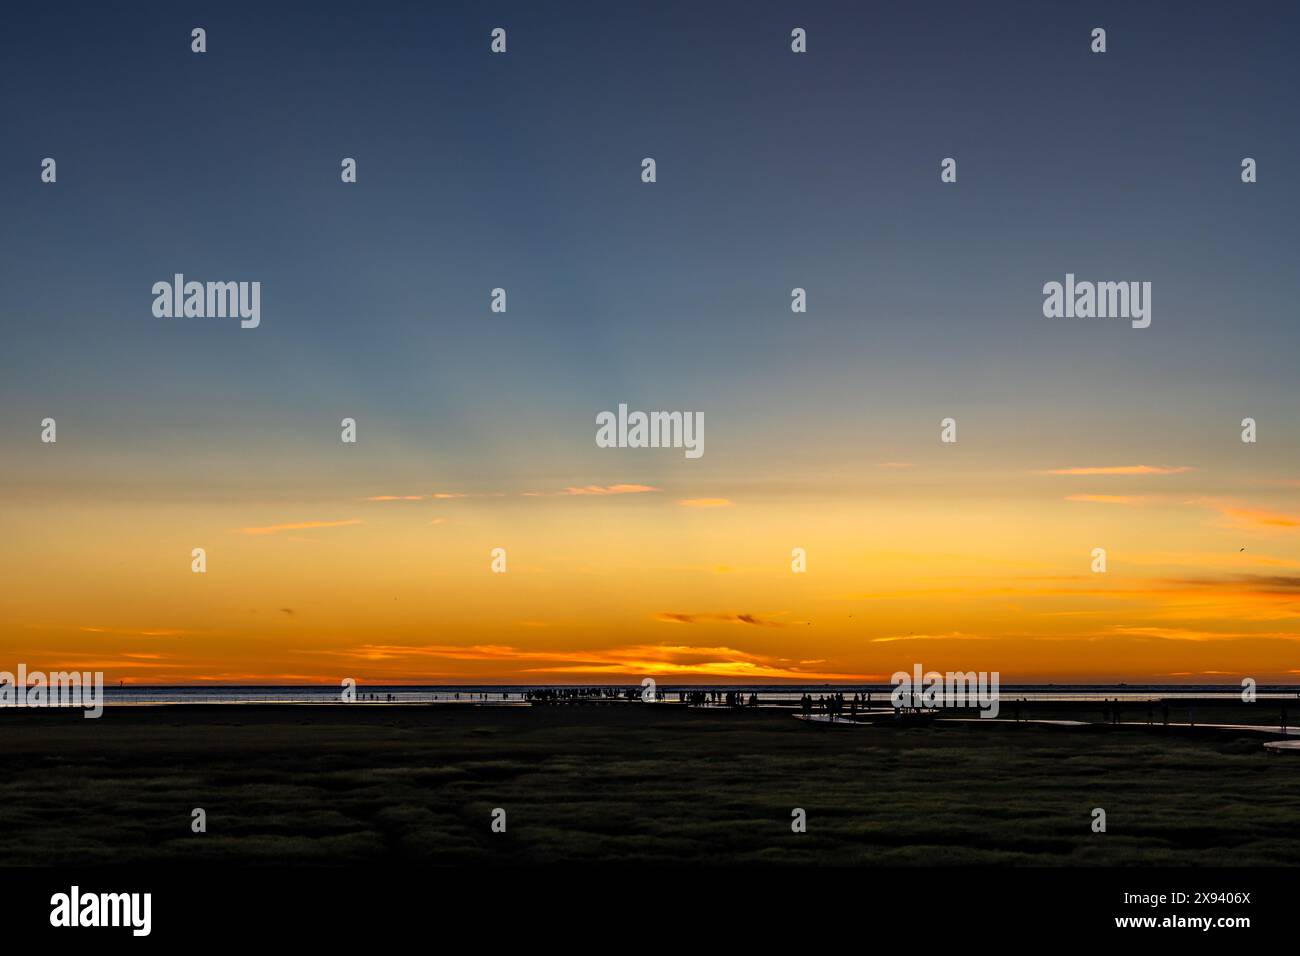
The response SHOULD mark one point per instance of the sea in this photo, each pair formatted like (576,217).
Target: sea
(767,693)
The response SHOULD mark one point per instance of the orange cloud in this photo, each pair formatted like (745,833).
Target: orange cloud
(1261,518)
(669,617)
(610,490)
(595,490)
(629,660)
(706,502)
(1105,499)
(1202,559)
(297,526)
(953,636)
(1119,470)
(1189,634)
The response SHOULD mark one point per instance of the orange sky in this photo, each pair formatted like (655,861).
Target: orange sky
(613,582)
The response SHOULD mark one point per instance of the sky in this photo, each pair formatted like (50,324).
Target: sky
(476,430)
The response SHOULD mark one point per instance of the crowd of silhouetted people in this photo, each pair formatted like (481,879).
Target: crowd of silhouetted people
(833,705)
(691,698)
(716,698)
(391,698)
(564,695)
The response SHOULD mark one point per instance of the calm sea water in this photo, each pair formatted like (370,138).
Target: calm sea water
(497,694)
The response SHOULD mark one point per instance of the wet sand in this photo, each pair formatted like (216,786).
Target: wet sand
(367,785)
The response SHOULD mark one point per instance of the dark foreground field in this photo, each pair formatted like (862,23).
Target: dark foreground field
(376,785)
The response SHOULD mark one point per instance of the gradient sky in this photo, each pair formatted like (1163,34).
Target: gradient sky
(822,430)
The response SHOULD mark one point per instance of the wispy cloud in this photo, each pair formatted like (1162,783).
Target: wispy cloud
(1119,470)
(602,490)
(706,502)
(1204,559)
(1261,518)
(951,636)
(297,526)
(1199,635)
(1274,584)
(676,660)
(1107,499)
(669,617)
(437,496)
(625,489)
